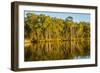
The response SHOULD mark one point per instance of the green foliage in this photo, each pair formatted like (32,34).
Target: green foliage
(42,27)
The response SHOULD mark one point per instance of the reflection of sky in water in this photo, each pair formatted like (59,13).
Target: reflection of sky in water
(76,16)
(80,57)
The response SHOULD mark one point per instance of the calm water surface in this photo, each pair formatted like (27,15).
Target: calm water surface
(57,50)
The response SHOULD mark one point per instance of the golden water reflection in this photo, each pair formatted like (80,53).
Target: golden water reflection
(57,50)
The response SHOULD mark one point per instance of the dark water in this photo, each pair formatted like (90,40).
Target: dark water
(57,50)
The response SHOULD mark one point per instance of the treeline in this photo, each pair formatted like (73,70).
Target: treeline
(45,28)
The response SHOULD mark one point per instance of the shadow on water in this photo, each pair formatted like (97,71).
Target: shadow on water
(57,50)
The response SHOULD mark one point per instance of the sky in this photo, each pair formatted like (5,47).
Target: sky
(77,17)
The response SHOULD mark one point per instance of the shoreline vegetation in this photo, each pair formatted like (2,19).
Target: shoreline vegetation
(28,42)
(45,28)
(51,40)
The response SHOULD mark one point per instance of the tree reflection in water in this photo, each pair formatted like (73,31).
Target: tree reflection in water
(57,50)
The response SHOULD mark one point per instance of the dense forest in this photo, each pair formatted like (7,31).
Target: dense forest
(46,28)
